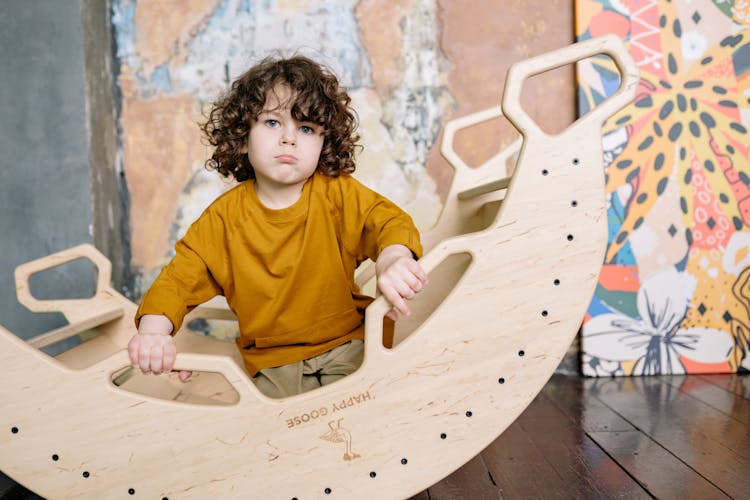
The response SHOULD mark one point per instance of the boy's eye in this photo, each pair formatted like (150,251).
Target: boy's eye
(272,123)
(306,129)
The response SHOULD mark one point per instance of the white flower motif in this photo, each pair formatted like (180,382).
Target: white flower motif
(656,341)
(694,44)
(736,257)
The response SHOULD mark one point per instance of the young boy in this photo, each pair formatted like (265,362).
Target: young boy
(282,246)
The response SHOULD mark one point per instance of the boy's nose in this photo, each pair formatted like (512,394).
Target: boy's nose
(288,136)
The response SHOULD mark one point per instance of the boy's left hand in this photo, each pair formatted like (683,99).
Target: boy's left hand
(399,277)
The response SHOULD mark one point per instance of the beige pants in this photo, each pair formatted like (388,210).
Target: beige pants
(312,373)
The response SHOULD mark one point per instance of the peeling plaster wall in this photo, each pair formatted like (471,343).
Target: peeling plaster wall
(410,66)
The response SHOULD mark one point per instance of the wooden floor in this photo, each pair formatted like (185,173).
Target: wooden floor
(664,437)
(646,437)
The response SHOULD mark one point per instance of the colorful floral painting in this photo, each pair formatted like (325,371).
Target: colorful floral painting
(674,291)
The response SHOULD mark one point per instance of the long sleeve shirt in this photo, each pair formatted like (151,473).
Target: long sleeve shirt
(288,274)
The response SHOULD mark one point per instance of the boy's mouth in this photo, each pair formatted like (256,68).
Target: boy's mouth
(286,158)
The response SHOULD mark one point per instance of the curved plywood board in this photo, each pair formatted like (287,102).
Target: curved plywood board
(408,417)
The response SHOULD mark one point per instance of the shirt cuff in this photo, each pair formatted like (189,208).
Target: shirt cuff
(148,305)
(405,237)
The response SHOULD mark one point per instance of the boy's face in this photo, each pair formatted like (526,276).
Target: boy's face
(284,153)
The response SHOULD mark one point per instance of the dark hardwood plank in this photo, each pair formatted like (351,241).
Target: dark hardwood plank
(519,469)
(654,467)
(7,485)
(687,413)
(587,470)
(712,444)
(732,382)
(713,395)
(10,490)
(552,457)
(421,496)
(472,481)
(568,395)
(660,472)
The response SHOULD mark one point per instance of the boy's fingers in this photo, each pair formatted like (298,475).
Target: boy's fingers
(144,359)
(394,295)
(168,359)
(417,271)
(184,375)
(133,351)
(400,305)
(155,358)
(405,291)
(414,283)
(391,295)
(414,276)
(405,309)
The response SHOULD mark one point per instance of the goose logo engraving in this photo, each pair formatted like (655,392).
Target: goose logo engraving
(338,434)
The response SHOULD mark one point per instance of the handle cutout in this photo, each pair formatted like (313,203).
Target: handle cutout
(202,388)
(550,98)
(607,45)
(443,279)
(71,280)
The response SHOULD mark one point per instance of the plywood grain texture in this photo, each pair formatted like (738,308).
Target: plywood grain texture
(408,417)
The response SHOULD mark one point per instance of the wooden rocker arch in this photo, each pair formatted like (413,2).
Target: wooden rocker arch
(407,418)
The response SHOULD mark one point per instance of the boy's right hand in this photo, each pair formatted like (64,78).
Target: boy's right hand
(153,350)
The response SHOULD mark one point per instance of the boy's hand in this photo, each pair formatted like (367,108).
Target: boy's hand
(153,349)
(399,277)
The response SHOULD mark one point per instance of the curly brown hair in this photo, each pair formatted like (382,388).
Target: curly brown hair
(316,97)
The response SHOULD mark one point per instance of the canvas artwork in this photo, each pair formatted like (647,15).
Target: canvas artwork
(674,291)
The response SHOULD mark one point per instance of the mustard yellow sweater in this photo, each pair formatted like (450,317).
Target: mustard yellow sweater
(287,274)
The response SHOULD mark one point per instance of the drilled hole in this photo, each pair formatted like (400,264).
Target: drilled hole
(575,161)
(545,172)
(373,474)
(404,461)
(443,435)
(55,457)
(545,313)
(85,473)
(501,380)
(14,430)
(327,491)
(521,353)
(574,203)
(131,491)
(570,237)
(556,282)
(469,413)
